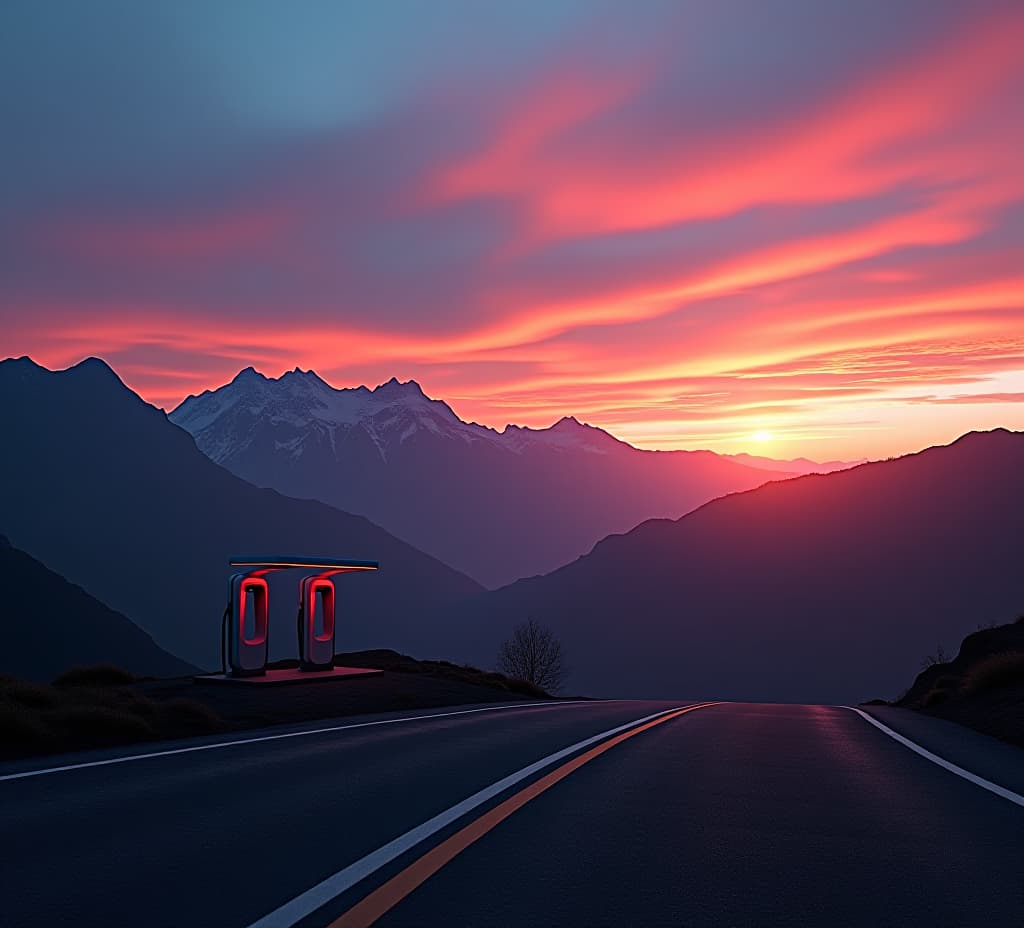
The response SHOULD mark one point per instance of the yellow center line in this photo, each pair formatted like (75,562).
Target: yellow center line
(389,894)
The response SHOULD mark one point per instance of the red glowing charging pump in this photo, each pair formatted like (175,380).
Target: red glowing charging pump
(316,645)
(245,633)
(248,620)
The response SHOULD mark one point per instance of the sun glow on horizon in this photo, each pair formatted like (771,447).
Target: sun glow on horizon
(692,252)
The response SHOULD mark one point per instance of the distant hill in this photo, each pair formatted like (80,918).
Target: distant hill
(104,489)
(794,467)
(496,505)
(819,588)
(48,625)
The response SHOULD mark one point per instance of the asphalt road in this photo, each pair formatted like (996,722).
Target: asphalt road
(727,815)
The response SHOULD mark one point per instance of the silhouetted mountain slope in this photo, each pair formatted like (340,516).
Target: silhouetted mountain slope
(103,488)
(982,687)
(498,505)
(48,625)
(820,588)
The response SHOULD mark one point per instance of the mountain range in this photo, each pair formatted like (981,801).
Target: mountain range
(816,589)
(497,506)
(794,467)
(105,490)
(822,587)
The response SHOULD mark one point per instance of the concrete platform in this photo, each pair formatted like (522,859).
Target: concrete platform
(285,677)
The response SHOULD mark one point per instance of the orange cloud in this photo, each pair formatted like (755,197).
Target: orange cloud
(808,271)
(838,151)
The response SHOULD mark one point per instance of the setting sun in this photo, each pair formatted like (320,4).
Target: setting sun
(761,436)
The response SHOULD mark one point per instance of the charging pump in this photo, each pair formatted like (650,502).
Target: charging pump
(245,631)
(247,619)
(316,648)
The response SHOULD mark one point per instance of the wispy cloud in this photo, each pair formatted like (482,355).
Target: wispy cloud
(816,231)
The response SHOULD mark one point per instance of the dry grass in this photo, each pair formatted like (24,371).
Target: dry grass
(29,695)
(934,696)
(190,714)
(995,672)
(91,707)
(95,675)
(526,688)
(98,723)
(21,729)
(400,663)
(941,690)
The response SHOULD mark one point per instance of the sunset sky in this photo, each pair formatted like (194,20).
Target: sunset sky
(790,228)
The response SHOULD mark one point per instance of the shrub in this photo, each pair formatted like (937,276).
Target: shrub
(995,672)
(21,727)
(95,675)
(23,693)
(88,722)
(490,678)
(934,696)
(190,713)
(135,703)
(526,688)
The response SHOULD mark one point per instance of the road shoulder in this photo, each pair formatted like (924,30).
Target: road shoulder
(982,755)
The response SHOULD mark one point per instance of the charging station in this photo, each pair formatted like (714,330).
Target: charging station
(245,631)
(248,624)
(316,623)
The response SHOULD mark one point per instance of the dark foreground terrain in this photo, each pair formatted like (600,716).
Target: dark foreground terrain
(96,707)
(982,687)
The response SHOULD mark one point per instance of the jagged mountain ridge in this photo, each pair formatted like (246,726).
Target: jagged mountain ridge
(495,505)
(390,413)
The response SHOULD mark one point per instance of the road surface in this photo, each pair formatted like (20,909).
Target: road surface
(573,814)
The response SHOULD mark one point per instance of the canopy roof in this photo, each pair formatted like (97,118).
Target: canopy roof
(282,561)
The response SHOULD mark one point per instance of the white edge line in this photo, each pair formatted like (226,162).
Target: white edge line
(941,761)
(323,892)
(278,737)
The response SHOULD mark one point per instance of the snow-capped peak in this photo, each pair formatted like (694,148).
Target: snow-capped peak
(246,375)
(567,432)
(300,406)
(394,390)
(310,377)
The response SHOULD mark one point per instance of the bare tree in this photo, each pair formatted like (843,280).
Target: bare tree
(533,653)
